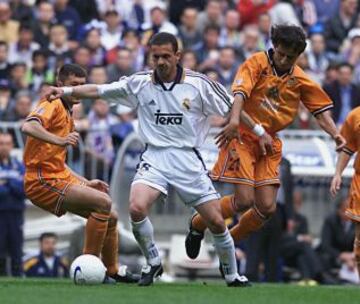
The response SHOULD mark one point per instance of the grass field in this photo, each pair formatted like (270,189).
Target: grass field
(33,291)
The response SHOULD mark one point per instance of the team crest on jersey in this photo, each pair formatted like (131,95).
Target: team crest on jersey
(186,103)
(273,93)
(239,81)
(291,82)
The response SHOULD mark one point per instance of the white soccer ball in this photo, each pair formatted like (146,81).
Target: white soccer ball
(87,269)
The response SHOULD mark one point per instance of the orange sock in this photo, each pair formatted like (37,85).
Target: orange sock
(252,220)
(109,252)
(227,210)
(95,232)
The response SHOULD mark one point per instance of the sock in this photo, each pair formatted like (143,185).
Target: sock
(144,235)
(225,249)
(95,232)
(252,220)
(109,251)
(357,253)
(227,209)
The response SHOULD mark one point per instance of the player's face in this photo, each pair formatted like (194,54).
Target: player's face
(284,58)
(73,81)
(165,60)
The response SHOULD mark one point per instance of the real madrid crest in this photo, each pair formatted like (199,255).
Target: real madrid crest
(186,103)
(291,82)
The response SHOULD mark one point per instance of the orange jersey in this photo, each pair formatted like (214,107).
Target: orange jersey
(273,101)
(56,118)
(351,130)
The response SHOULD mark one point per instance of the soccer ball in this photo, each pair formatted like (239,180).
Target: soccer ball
(87,269)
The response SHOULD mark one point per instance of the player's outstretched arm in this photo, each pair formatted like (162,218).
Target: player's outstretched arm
(341,164)
(35,129)
(89,91)
(326,123)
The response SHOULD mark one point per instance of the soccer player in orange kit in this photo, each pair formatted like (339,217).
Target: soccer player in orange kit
(269,86)
(51,185)
(350,130)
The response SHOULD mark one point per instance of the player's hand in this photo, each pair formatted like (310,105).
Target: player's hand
(230,131)
(98,185)
(52,93)
(335,184)
(72,139)
(266,144)
(340,142)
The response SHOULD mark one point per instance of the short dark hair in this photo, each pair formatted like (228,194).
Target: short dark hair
(3,43)
(345,65)
(164,38)
(39,53)
(71,69)
(46,235)
(290,36)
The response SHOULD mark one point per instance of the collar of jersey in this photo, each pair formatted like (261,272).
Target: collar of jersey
(178,78)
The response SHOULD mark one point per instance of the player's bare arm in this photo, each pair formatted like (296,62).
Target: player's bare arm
(343,160)
(231,130)
(326,123)
(82,91)
(35,129)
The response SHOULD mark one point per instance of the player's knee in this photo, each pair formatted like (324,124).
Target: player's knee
(216,224)
(137,210)
(243,203)
(104,204)
(267,209)
(113,218)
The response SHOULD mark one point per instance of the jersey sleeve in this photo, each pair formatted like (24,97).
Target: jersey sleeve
(44,113)
(119,92)
(314,97)
(348,131)
(216,100)
(246,77)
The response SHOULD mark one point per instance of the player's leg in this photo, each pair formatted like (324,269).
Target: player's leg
(357,246)
(142,198)
(259,212)
(93,205)
(223,242)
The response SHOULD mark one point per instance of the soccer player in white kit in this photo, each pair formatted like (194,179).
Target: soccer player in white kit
(173,106)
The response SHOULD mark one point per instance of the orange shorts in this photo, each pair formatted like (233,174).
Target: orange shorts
(48,193)
(244,164)
(353,208)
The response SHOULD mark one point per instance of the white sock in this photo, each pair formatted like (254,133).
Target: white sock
(144,235)
(225,249)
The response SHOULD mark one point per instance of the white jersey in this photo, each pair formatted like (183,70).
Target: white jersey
(174,115)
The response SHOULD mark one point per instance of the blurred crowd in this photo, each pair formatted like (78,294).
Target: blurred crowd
(109,39)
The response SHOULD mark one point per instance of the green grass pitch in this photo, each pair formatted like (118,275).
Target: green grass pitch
(36,291)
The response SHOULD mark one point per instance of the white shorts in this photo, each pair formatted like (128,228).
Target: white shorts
(182,168)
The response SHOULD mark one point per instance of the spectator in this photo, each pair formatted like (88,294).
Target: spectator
(188,31)
(264,24)
(337,238)
(12,205)
(126,125)
(8,28)
(351,52)
(227,67)
(230,34)
(59,46)
(93,43)
(331,74)
(337,28)
(18,77)
(317,56)
(250,10)
(122,66)
(251,41)
(45,19)
(21,12)
(69,17)
(189,60)
(345,94)
(22,107)
(22,50)
(47,264)
(283,12)
(98,75)
(82,57)
(132,41)
(212,15)
(326,9)
(207,52)
(87,10)
(4,63)
(40,72)
(111,34)
(158,23)
(177,8)
(5,97)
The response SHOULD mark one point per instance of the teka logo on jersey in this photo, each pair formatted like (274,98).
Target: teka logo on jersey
(168,118)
